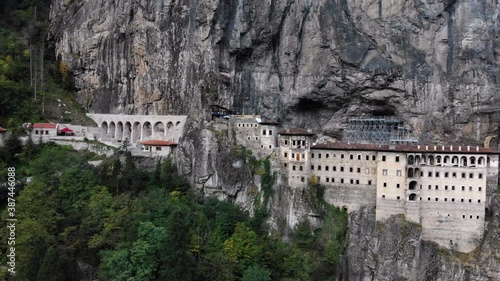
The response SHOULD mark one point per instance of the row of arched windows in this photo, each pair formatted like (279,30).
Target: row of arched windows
(447,160)
(124,130)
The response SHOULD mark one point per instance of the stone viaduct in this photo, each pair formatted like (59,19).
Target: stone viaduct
(138,128)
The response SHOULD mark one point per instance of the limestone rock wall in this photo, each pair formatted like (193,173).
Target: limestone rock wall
(309,63)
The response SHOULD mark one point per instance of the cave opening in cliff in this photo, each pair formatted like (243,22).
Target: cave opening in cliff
(307,104)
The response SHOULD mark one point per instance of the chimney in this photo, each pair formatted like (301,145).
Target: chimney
(435,147)
(442,147)
(426,147)
(418,146)
(468,148)
(451,147)
(477,148)
(459,148)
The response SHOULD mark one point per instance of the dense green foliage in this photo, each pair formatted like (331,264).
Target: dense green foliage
(119,222)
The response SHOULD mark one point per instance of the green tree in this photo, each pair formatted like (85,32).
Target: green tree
(255,273)
(243,247)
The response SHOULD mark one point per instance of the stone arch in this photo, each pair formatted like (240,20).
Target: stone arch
(412,197)
(431,160)
(417,172)
(491,141)
(136,132)
(480,161)
(424,160)
(112,129)
(472,160)
(147,130)
(127,133)
(411,160)
(159,129)
(119,130)
(463,161)
(446,160)
(417,160)
(170,125)
(412,185)
(105,127)
(410,173)
(454,160)
(438,160)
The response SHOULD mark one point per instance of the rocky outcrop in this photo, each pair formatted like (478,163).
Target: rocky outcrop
(309,63)
(393,250)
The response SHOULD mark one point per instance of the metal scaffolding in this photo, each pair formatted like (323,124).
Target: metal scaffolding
(378,130)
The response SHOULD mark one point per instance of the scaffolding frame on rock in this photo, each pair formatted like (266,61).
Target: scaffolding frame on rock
(378,130)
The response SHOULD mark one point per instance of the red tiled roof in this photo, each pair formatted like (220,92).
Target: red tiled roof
(407,148)
(66,130)
(296,131)
(2,130)
(159,143)
(44,126)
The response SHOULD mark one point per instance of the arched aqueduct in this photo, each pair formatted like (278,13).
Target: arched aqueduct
(136,128)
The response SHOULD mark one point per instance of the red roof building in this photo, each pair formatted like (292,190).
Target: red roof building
(66,130)
(44,126)
(159,143)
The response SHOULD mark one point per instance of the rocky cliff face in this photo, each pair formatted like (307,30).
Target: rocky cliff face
(395,251)
(309,63)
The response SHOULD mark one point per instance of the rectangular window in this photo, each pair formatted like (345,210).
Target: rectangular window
(445,187)
(480,188)
(446,174)
(462,200)
(285,165)
(369,182)
(36,132)
(158,148)
(429,175)
(452,187)
(373,158)
(351,156)
(397,158)
(398,173)
(470,188)
(270,132)
(293,142)
(263,132)
(327,155)
(319,155)
(454,175)
(312,155)
(333,179)
(463,188)
(326,168)
(293,167)
(341,169)
(41,132)
(359,157)
(367,157)
(293,155)
(397,185)
(437,187)
(480,175)
(304,143)
(471,176)
(351,181)
(286,142)
(430,186)
(452,199)
(312,167)
(350,169)
(359,170)
(341,156)
(463,175)
(384,172)
(383,157)
(385,184)
(46,132)
(319,168)
(445,199)
(357,181)
(341,180)
(479,201)
(327,179)
(437,174)
(302,179)
(334,168)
